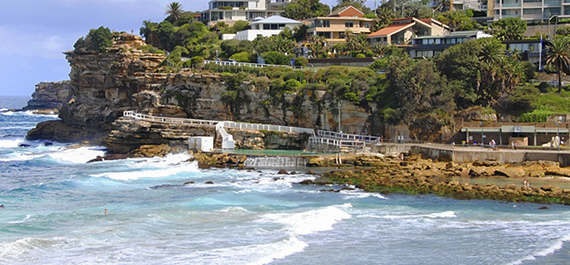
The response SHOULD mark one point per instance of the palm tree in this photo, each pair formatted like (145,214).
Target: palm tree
(559,57)
(174,10)
(491,50)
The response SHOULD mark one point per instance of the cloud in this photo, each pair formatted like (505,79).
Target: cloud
(33,43)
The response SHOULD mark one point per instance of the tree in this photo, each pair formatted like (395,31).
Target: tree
(276,58)
(357,43)
(174,11)
(304,9)
(149,31)
(511,28)
(240,25)
(97,40)
(559,57)
(457,20)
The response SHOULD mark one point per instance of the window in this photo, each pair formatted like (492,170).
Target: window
(367,24)
(324,34)
(322,23)
(349,24)
(266,26)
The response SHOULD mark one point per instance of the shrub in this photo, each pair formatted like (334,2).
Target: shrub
(98,40)
(228,96)
(150,49)
(301,61)
(276,58)
(544,87)
(243,57)
(360,55)
(369,54)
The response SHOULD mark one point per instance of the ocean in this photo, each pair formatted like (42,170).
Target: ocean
(55,202)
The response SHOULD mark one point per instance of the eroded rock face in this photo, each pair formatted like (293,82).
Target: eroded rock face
(50,96)
(104,85)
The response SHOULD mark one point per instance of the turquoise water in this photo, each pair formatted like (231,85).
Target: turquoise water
(55,214)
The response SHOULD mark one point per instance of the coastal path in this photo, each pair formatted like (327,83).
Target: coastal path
(337,140)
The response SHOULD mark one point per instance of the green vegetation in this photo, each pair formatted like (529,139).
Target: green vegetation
(97,40)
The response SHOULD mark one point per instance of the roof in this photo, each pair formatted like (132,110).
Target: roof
(389,30)
(340,10)
(276,20)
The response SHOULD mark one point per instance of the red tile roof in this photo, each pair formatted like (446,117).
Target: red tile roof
(391,29)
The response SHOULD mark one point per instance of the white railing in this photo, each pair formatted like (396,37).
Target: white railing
(337,142)
(226,124)
(348,136)
(267,127)
(145,117)
(254,65)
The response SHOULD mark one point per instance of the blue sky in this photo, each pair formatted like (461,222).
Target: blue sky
(34,33)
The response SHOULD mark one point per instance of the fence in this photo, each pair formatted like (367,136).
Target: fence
(145,117)
(267,127)
(348,136)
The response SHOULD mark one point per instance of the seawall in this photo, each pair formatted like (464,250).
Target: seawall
(471,154)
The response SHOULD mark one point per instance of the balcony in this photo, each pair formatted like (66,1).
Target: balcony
(552,3)
(511,4)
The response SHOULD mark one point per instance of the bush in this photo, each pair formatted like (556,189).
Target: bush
(228,96)
(544,87)
(97,40)
(276,58)
(243,57)
(369,54)
(360,55)
(150,49)
(301,61)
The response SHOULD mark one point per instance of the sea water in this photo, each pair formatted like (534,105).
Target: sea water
(55,202)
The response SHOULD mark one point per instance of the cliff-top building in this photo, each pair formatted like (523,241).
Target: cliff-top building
(529,10)
(401,31)
(230,11)
(265,27)
(335,26)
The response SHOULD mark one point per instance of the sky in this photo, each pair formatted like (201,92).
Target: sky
(35,33)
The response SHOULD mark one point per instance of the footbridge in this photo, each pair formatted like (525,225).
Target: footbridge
(317,140)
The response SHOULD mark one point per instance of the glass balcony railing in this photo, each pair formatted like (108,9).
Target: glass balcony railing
(552,3)
(512,5)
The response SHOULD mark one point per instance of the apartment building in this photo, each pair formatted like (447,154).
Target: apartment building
(230,11)
(401,31)
(335,26)
(431,46)
(529,10)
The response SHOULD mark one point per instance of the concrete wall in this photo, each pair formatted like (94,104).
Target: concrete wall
(466,155)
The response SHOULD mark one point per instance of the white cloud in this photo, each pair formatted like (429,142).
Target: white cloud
(32,44)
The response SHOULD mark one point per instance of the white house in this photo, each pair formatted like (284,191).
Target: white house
(230,11)
(265,27)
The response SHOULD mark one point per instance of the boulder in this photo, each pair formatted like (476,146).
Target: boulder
(283,172)
(510,172)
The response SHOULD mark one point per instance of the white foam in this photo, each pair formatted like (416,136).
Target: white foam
(234,209)
(27,218)
(309,222)
(78,155)
(159,173)
(547,251)
(9,143)
(252,254)
(447,214)
(24,245)
(360,195)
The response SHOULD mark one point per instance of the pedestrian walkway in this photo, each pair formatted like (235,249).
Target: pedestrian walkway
(334,140)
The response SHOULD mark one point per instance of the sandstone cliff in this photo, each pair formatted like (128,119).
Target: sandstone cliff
(50,96)
(103,85)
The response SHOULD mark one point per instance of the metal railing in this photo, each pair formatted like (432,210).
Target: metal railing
(145,117)
(226,124)
(348,136)
(267,127)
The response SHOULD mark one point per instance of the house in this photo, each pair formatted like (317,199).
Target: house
(530,49)
(430,46)
(529,10)
(335,26)
(401,31)
(265,27)
(230,11)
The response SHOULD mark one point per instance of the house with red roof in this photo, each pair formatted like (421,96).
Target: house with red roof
(402,31)
(335,26)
